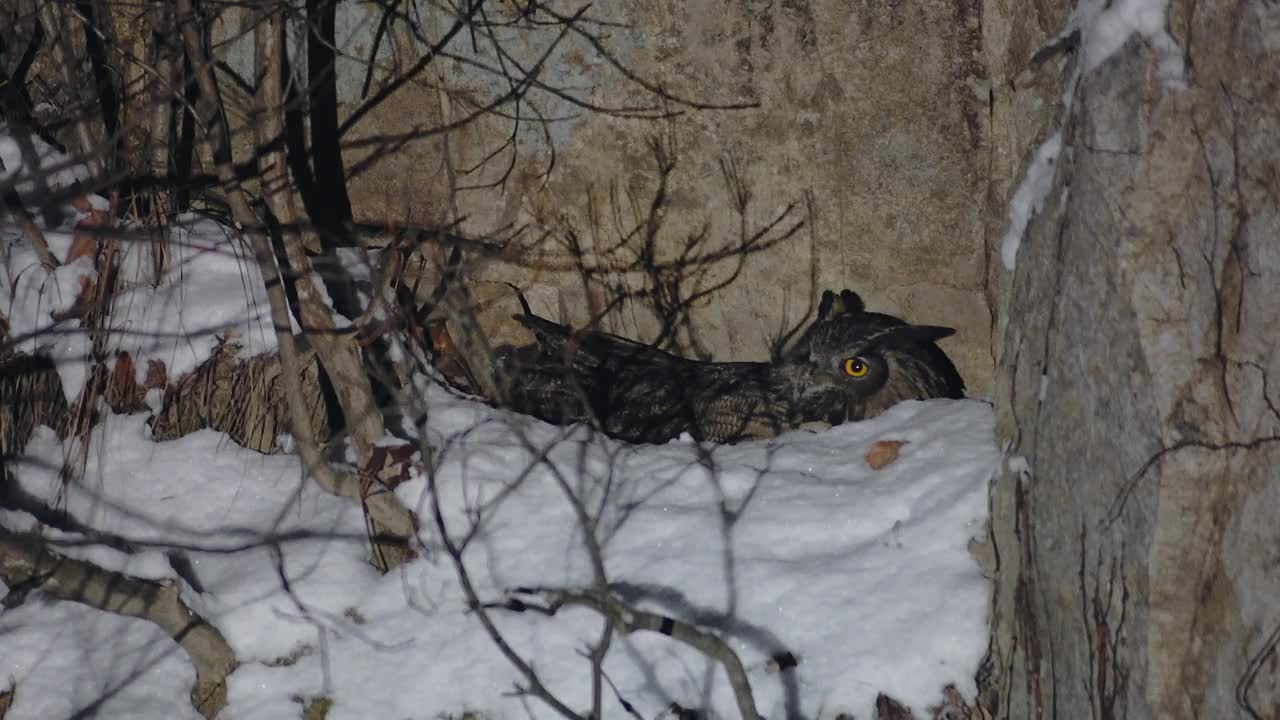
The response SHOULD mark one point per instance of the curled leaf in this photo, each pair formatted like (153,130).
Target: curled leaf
(883,452)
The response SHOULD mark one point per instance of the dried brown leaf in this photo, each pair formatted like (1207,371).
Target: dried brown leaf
(883,452)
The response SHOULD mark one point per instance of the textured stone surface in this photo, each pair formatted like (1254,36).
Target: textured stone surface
(877,121)
(1138,378)
(872,118)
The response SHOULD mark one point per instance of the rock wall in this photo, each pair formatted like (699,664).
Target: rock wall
(873,119)
(895,131)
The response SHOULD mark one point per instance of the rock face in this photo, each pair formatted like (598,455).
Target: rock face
(1140,377)
(872,119)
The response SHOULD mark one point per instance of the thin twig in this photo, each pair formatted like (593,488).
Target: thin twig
(629,619)
(534,683)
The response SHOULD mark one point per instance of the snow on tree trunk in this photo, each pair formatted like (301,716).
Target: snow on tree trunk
(1140,378)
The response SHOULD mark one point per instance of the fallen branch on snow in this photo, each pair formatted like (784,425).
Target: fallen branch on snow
(26,561)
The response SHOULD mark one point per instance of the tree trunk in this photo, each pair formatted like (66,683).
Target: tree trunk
(1141,380)
(91,149)
(392,522)
(339,354)
(329,207)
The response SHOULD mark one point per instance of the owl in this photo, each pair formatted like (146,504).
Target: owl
(849,364)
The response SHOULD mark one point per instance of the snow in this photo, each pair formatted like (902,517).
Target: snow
(61,657)
(864,575)
(236,508)
(1029,196)
(213,291)
(31,295)
(1020,465)
(1104,27)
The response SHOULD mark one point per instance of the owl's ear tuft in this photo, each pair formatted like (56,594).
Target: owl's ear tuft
(824,307)
(912,334)
(851,303)
(847,302)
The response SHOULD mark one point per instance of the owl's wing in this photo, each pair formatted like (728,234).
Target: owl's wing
(950,383)
(632,390)
(641,396)
(591,347)
(729,402)
(739,416)
(538,384)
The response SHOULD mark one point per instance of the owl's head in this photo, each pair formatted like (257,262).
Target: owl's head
(875,360)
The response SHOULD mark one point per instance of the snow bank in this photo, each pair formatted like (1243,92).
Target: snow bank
(32,297)
(64,657)
(793,544)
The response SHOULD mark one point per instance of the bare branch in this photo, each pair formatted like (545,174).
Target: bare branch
(454,551)
(629,619)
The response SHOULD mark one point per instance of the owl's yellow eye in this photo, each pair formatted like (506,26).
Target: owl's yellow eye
(856,367)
